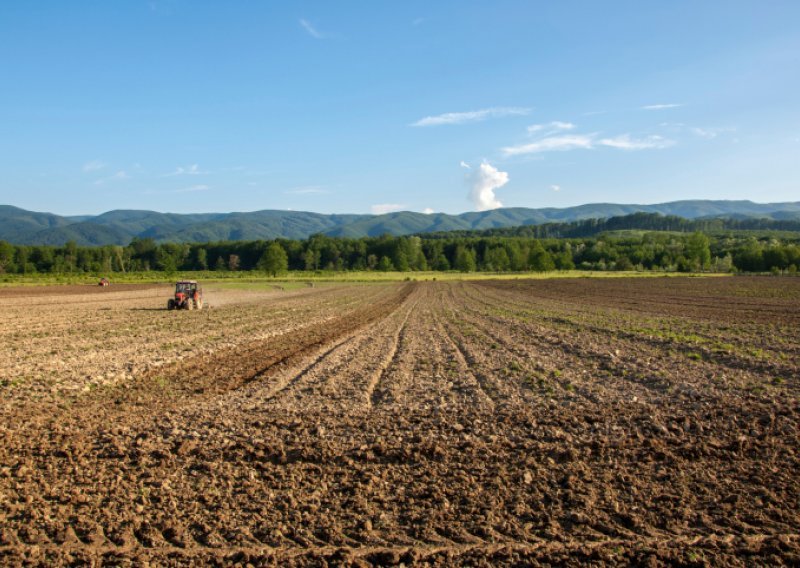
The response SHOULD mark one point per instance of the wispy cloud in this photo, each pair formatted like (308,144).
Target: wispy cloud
(428,211)
(307,190)
(555,187)
(662,106)
(118,176)
(417,21)
(483,182)
(465,165)
(311,30)
(626,142)
(383,208)
(707,133)
(551,144)
(554,126)
(192,170)
(710,133)
(93,166)
(470,116)
(564,142)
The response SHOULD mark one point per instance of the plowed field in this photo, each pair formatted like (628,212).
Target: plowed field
(646,421)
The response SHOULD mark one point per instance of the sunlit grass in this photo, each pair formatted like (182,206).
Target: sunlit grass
(297,279)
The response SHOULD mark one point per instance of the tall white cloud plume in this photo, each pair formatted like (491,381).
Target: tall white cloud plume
(483,182)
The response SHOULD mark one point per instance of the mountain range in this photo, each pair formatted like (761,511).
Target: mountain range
(19,226)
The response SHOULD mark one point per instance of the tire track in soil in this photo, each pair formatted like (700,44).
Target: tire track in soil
(497,390)
(334,379)
(62,356)
(217,373)
(424,373)
(375,390)
(464,371)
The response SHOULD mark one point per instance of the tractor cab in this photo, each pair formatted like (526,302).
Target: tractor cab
(188,296)
(185,287)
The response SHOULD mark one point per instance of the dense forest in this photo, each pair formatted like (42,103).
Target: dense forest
(659,251)
(634,221)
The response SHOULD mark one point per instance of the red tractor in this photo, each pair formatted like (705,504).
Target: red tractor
(188,296)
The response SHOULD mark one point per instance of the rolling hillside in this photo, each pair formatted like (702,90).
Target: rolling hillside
(19,226)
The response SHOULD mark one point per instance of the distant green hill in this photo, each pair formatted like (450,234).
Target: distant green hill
(18,225)
(120,227)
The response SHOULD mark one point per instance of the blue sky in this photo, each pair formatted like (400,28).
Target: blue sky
(374,106)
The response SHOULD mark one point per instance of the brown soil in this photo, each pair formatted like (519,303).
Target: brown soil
(552,422)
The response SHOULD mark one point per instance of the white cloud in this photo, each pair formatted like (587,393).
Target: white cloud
(428,211)
(709,133)
(93,166)
(483,183)
(555,187)
(554,126)
(192,170)
(470,116)
(552,143)
(383,208)
(312,31)
(662,106)
(625,142)
(465,165)
(587,142)
(120,175)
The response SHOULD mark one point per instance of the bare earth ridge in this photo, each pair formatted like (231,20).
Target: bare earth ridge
(649,421)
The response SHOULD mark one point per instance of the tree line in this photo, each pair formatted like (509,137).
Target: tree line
(656,251)
(634,221)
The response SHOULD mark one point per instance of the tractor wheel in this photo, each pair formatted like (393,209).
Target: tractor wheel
(170,304)
(199,304)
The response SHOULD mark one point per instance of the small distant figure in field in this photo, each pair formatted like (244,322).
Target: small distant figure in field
(104,282)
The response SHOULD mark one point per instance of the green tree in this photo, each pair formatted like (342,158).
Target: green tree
(385,264)
(274,260)
(464,259)
(496,258)
(311,259)
(563,261)
(539,259)
(401,261)
(166,261)
(698,251)
(7,257)
(442,263)
(201,258)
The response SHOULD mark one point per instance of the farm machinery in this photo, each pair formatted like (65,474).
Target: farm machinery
(188,296)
